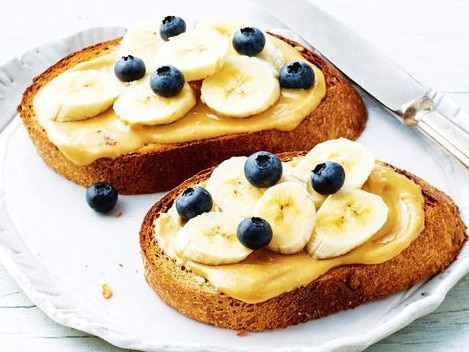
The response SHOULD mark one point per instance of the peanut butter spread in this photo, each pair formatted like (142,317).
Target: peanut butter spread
(265,274)
(105,135)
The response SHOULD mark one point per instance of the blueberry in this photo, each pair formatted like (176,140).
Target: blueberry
(248,41)
(193,201)
(263,169)
(129,68)
(172,26)
(328,178)
(254,233)
(101,196)
(296,74)
(166,81)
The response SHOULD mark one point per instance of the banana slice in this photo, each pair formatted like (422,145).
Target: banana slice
(230,190)
(143,40)
(197,53)
(138,105)
(211,239)
(291,213)
(245,86)
(225,25)
(105,62)
(272,54)
(354,157)
(344,221)
(291,174)
(78,95)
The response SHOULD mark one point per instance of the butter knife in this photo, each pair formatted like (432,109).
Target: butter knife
(394,88)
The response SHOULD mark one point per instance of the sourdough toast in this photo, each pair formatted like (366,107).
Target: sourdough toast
(340,288)
(158,167)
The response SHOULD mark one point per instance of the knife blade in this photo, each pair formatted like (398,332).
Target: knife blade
(394,88)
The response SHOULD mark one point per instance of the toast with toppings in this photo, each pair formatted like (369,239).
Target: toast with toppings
(147,153)
(208,277)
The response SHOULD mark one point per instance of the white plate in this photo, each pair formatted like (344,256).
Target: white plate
(60,252)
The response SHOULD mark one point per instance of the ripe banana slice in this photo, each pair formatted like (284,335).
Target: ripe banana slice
(224,24)
(143,40)
(271,54)
(105,62)
(197,53)
(291,174)
(228,25)
(78,95)
(211,239)
(344,221)
(230,190)
(138,105)
(245,86)
(354,157)
(291,213)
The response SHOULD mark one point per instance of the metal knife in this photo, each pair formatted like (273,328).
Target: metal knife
(374,72)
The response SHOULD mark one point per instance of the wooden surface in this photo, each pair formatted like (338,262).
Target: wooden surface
(429,38)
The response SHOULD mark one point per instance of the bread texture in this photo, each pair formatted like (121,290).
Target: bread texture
(339,289)
(159,167)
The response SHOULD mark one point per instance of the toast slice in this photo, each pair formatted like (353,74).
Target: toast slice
(159,167)
(340,288)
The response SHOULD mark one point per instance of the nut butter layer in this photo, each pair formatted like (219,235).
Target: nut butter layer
(340,288)
(158,167)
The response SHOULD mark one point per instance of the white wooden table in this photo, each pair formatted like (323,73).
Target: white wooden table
(429,38)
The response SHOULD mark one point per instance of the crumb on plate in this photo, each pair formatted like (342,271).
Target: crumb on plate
(241,333)
(106,291)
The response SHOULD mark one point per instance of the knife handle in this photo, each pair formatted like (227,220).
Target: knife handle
(445,132)
(448,134)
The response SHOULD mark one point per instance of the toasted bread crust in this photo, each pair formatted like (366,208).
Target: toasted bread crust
(156,168)
(339,289)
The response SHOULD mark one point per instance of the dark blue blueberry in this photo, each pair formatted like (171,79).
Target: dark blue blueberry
(193,201)
(254,233)
(166,81)
(296,74)
(101,196)
(129,68)
(263,169)
(172,26)
(248,41)
(328,178)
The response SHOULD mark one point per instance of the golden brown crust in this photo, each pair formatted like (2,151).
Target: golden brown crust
(339,289)
(155,168)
